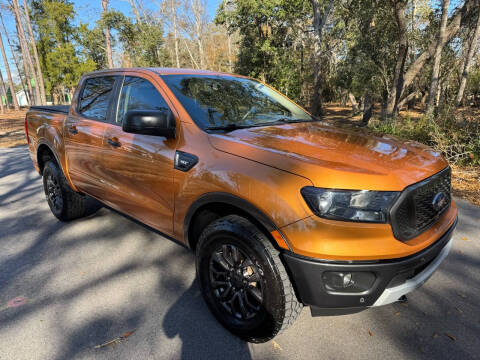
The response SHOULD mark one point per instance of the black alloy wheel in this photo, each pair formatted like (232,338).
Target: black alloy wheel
(236,282)
(54,193)
(243,280)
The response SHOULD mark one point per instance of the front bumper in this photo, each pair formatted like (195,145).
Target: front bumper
(393,278)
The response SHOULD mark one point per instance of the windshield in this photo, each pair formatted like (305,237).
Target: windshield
(217,102)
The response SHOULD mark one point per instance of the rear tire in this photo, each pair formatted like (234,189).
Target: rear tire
(65,203)
(244,281)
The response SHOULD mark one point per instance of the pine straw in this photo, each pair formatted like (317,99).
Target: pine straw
(466,183)
(465,180)
(12,131)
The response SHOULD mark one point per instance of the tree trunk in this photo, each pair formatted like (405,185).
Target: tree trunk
(40,83)
(367,108)
(437,58)
(2,94)
(134,8)
(468,61)
(108,44)
(438,94)
(229,38)
(452,28)
(407,99)
(192,59)
(9,76)
(26,70)
(398,77)
(354,103)
(412,45)
(15,60)
(175,35)
(319,21)
(27,57)
(198,13)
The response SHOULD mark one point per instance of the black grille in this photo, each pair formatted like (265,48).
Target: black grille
(421,205)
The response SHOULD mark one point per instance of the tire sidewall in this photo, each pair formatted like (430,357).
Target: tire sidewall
(267,325)
(52,168)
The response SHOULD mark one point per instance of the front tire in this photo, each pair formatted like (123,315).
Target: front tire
(243,280)
(65,203)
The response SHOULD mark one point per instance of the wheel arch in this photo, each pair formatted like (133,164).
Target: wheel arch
(44,153)
(211,206)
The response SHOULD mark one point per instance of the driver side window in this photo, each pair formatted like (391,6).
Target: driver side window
(138,94)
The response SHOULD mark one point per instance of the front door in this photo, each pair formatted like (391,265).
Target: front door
(138,169)
(83,134)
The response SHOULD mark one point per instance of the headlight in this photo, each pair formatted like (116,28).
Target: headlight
(350,205)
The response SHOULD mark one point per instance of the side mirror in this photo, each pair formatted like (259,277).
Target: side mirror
(150,122)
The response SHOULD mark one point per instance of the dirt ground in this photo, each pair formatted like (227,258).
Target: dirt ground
(465,180)
(12,131)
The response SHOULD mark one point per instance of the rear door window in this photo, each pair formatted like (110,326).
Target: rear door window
(95,98)
(138,94)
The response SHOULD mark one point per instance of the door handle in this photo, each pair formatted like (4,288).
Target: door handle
(73,130)
(114,143)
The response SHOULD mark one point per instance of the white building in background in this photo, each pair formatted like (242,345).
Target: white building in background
(22,98)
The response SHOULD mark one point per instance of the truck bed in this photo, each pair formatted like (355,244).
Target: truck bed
(63,109)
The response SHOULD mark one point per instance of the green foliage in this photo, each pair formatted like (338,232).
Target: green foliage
(371,47)
(62,64)
(143,41)
(458,139)
(269,47)
(473,86)
(92,45)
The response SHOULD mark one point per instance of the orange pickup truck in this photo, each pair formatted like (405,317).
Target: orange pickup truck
(281,209)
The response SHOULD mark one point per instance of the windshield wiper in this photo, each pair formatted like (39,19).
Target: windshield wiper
(228,127)
(287,121)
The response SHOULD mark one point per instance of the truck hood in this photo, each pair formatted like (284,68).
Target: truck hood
(333,157)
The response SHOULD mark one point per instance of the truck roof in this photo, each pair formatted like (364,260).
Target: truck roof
(164,71)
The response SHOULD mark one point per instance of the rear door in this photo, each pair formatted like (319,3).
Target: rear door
(83,133)
(139,168)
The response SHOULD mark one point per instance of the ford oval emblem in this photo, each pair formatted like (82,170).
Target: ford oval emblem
(439,201)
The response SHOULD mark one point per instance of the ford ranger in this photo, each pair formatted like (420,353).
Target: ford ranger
(281,209)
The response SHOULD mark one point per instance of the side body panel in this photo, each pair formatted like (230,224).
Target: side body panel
(83,152)
(83,149)
(274,192)
(138,173)
(46,128)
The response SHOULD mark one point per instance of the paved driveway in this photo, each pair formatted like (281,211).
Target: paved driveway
(65,288)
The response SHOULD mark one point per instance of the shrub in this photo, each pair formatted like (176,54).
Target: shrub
(457,137)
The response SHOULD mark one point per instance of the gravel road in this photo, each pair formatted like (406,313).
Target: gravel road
(67,287)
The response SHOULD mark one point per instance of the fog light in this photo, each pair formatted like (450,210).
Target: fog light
(348,282)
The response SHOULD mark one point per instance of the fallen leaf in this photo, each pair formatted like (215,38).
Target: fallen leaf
(370,333)
(115,341)
(397,313)
(451,337)
(127,334)
(18,301)
(435,335)
(465,239)
(276,346)
(459,310)
(462,295)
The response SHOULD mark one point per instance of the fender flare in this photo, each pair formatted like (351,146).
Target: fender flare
(50,147)
(232,200)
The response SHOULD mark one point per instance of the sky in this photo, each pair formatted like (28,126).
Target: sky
(88,11)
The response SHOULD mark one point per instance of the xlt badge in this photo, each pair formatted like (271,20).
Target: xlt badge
(184,161)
